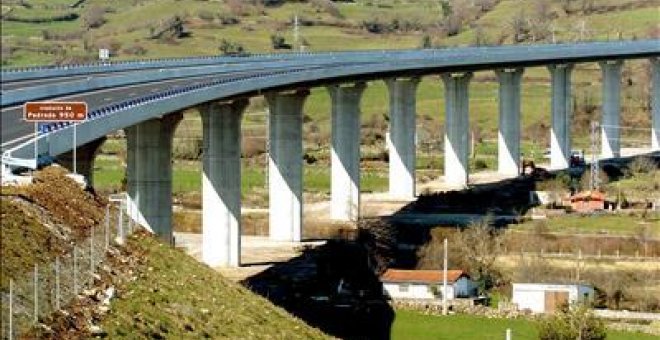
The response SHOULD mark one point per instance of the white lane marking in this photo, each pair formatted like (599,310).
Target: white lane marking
(16,140)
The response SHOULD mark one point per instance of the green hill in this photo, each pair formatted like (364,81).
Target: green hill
(40,31)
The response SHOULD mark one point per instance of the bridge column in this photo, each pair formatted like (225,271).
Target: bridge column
(346,151)
(221,183)
(285,172)
(508,155)
(610,132)
(655,104)
(457,127)
(149,173)
(560,133)
(85,157)
(403,109)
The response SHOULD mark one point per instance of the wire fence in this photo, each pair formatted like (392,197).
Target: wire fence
(50,287)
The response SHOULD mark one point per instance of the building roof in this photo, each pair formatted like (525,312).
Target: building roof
(421,276)
(588,196)
(550,284)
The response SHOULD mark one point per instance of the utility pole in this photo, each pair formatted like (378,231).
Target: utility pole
(444,282)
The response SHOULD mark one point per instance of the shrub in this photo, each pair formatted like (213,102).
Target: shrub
(135,49)
(426,42)
(570,324)
(641,165)
(231,48)
(227,19)
(480,164)
(278,42)
(187,148)
(328,7)
(94,17)
(374,26)
(253,147)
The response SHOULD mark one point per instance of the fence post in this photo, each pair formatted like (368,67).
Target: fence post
(75,271)
(508,334)
(91,257)
(57,283)
(107,226)
(36,293)
(120,225)
(11,309)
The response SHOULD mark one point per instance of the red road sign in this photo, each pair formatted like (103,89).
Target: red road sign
(54,111)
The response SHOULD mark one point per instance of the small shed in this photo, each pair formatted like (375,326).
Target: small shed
(426,284)
(548,297)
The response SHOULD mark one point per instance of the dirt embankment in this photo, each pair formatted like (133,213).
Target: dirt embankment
(43,220)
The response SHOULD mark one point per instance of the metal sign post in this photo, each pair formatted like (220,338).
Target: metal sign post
(75,150)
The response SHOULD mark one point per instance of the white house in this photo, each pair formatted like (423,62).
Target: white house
(548,297)
(426,284)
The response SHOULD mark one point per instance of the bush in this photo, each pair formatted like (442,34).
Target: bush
(94,17)
(641,165)
(328,7)
(480,164)
(278,42)
(374,26)
(135,49)
(231,48)
(570,324)
(227,19)
(187,148)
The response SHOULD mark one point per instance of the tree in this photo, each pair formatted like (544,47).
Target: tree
(474,249)
(572,323)
(481,245)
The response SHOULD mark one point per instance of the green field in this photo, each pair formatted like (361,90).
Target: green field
(410,325)
(618,224)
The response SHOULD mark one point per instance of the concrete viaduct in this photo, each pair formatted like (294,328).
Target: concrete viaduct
(220,87)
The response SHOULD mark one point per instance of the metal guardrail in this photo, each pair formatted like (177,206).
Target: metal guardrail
(428,62)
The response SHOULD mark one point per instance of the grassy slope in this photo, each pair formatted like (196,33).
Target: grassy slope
(413,325)
(174,295)
(177,297)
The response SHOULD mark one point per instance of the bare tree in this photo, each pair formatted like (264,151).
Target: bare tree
(475,249)
(520,27)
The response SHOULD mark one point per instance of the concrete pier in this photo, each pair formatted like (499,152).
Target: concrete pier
(221,183)
(403,111)
(345,205)
(149,173)
(655,104)
(85,157)
(560,131)
(610,130)
(508,138)
(457,127)
(285,172)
